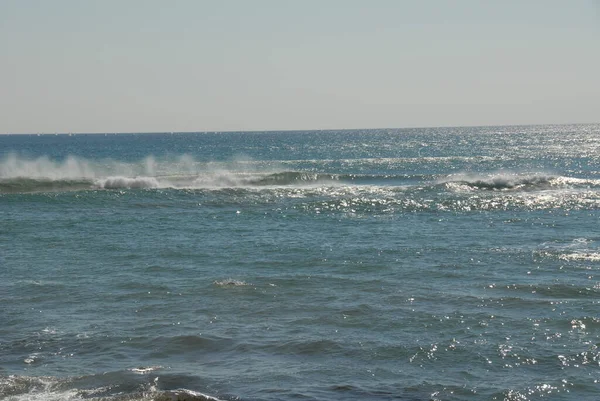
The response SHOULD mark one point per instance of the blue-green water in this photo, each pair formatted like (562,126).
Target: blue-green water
(421,264)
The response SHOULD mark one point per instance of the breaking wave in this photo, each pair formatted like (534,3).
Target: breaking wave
(200,181)
(578,250)
(231,283)
(22,175)
(126,182)
(108,387)
(516,182)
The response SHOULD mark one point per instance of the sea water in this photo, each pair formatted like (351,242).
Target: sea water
(393,264)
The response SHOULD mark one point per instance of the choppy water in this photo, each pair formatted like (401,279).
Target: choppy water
(421,264)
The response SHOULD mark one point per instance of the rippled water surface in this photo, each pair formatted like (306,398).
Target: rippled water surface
(419,264)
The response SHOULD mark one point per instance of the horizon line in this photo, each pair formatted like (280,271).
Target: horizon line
(289,130)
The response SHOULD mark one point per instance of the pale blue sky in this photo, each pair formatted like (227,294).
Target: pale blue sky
(148,65)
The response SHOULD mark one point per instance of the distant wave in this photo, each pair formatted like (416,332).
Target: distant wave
(503,182)
(237,179)
(127,182)
(22,175)
(203,180)
(304,178)
(223,180)
(27,184)
(292,177)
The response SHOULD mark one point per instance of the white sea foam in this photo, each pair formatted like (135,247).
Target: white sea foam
(25,388)
(588,256)
(29,388)
(503,180)
(126,182)
(184,394)
(143,370)
(31,358)
(578,249)
(496,181)
(231,283)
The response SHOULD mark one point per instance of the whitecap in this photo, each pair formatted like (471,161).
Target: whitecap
(231,283)
(143,370)
(126,182)
(591,256)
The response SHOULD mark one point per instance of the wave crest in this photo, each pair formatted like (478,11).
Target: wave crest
(514,182)
(32,388)
(130,183)
(231,283)
(294,177)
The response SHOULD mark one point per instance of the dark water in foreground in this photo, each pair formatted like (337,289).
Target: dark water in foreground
(421,264)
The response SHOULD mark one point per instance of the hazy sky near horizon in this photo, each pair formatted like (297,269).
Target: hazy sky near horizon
(195,65)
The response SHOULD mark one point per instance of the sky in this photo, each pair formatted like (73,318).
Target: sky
(227,65)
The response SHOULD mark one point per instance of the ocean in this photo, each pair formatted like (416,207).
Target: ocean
(388,264)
